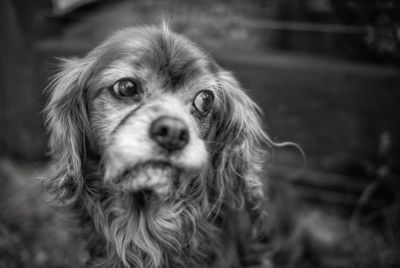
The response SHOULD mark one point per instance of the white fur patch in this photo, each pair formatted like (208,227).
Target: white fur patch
(131,146)
(117,70)
(157,178)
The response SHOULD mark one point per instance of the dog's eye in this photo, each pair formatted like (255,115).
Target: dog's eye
(126,87)
(203,101)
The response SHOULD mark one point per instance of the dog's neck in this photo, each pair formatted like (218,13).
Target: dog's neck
(173,233)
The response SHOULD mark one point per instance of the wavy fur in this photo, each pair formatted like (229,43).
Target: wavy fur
(186,227)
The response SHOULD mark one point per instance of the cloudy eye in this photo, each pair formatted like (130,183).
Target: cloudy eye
(203,101)
(126,87)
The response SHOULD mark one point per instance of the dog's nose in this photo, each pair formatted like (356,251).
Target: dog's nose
(170,133)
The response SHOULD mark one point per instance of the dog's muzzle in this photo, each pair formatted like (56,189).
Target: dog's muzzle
(171,134)
(154,149)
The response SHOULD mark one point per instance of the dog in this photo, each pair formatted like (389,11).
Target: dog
(159,154)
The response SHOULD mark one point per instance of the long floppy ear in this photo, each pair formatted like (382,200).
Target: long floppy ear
(67,123)
(240,148)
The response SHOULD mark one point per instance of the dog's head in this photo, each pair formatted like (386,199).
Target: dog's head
(158,113)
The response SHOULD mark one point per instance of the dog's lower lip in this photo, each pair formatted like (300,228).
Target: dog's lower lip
(150,164)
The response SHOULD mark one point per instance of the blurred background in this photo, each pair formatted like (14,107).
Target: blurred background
(325,72)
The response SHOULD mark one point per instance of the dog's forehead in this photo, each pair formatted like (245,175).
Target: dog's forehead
(172,57)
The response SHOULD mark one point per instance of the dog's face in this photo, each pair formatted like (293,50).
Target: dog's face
(157,112)
(151,107)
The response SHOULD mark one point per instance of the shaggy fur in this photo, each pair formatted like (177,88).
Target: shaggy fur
(139,205)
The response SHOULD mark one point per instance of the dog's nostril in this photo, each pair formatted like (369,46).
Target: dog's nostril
(184,136)
(163,131)
(170,133)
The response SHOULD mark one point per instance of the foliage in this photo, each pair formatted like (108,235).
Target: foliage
(382,19)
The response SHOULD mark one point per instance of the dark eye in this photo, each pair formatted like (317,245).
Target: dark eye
(126,87)
(203,101)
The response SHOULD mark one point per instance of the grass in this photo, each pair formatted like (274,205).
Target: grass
(32,233)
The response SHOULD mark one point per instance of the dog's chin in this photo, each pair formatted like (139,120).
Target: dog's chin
(149,179)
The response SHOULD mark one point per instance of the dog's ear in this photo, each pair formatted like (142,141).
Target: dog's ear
(67,122)
(241,148)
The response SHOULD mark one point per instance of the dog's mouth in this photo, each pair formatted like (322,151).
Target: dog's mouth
(144,197)
(149,178)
